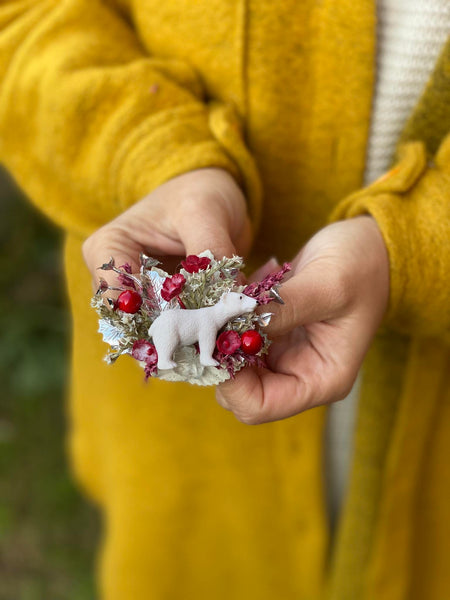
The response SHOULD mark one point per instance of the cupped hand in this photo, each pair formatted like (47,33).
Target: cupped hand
(199,210)
(335,299)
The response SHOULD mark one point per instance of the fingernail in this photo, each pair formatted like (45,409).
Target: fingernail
(272,263)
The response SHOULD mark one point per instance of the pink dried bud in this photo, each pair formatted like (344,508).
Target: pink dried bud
(109,266)
(256,361)
(102,286)
(194,263)
(260,289)
(172,286)
(123,276)
(126,281)
(126,267)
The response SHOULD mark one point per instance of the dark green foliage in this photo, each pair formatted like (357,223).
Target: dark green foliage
(47,532)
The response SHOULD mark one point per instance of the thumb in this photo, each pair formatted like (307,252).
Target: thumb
(309,297)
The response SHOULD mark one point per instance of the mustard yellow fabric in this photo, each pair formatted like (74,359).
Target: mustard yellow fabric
(101,102)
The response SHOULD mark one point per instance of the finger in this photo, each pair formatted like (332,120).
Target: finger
(97,252)
(243,238)
(214,230)
(257,397)
(208,235)
(309,296)
(267,268)
(303,379)
(215,239)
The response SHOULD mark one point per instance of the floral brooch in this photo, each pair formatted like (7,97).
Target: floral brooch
(197,325)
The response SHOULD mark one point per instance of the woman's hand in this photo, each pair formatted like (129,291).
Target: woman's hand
(202,209)
(334,300)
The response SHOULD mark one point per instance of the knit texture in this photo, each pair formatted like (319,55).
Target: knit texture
(135,121)
(102,101)
(405,419)
(411,34)
(414,307)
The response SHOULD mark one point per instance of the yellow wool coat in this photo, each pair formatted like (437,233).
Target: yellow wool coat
(102,101)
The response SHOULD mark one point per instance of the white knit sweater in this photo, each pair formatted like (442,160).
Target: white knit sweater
(410,35)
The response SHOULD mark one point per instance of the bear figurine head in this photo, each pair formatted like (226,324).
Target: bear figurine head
(238,303)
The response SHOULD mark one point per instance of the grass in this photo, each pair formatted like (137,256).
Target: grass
(48,533)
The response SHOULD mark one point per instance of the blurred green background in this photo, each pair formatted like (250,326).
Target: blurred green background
(48,533)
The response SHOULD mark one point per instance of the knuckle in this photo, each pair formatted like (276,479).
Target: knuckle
(247,418)
(344,390)
(310,395)
(335,384)
(343,384)
(282,320)
(340,288)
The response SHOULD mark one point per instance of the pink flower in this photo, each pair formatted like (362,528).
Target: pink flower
(123,278)
(172,286)
(194,264)
(228,342)
(102,286)
(150,369)
(127,268)
(143,350)
(261,289)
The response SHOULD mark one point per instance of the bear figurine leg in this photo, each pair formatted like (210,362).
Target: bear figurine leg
(165,347)
(207,342)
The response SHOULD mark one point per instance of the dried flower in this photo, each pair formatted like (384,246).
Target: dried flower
(261,290)
(256,361)
(150,369)
(109,266)
(147,262)
(194,263)
(126,281)
(228,342)
(144,350)
(127,268)
(226,362)
(123,271)
(102,286)
(172,286)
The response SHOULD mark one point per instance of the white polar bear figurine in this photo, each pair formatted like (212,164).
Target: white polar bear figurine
(179,327)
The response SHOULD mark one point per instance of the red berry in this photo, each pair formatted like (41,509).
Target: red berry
(251,341)
(129,301)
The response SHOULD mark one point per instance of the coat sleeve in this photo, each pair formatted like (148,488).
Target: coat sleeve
(90,123)
(411,205)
